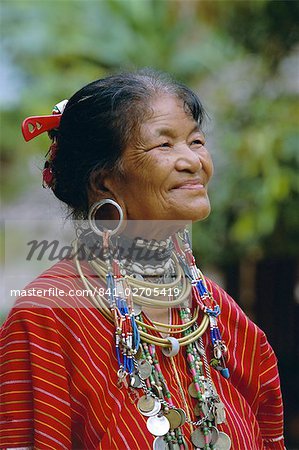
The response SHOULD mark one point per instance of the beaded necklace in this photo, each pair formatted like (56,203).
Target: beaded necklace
(139,367)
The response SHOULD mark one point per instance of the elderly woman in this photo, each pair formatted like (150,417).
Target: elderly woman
(154,355)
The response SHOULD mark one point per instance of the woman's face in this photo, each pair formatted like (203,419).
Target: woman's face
(167,169)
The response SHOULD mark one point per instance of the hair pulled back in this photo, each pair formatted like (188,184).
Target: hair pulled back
(99,121)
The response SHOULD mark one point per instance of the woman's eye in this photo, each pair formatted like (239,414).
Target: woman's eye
(197,142)
(165,145)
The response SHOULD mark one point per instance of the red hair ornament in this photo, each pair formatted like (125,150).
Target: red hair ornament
(34,126)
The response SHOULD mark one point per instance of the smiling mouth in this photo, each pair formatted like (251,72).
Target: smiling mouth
(193,185)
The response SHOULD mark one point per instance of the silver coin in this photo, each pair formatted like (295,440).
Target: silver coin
(219,413)
(174,418)
(144,368)
(154,411)
(183,416)
(146,403)
(208,392)
(207,412)
(158,425)
(159,444)
(198,438)
(192,390)
(214,435)
(224,442)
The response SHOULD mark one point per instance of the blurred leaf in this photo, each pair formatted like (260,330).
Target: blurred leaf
(241,58)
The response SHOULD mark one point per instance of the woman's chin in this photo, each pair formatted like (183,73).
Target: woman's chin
(195,213)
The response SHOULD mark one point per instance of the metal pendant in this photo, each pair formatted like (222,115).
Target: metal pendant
(136,381)
(219,413)
(198,439)
(174,419)
(156,409)
(214,435)
(217,352)
(192,390)
(183,416)
(224,442)
(159,444)
(175,347)
(145,404)
(144,368)
(197,410)
(207,412)
(208,392)
(158,425)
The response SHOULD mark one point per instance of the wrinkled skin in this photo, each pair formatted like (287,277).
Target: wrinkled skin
(165,173)
(167,169)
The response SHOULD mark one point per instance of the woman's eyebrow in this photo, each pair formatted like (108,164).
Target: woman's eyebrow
(195,128)
(170,132)
(164,131)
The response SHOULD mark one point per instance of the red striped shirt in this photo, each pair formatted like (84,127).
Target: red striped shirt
(59,384)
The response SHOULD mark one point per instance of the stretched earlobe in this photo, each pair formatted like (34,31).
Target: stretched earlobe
(102,188)
(100,226)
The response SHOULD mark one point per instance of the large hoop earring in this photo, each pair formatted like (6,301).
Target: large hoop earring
(92,217)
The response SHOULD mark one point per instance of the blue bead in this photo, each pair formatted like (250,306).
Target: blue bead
(225,373)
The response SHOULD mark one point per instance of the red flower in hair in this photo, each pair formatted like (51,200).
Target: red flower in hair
(53,151)
(48,176)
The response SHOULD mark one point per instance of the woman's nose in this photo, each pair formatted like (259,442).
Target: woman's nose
(188,159)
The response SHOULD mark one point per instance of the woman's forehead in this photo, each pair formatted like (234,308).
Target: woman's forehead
(164,104)
(170,122)
(167,115)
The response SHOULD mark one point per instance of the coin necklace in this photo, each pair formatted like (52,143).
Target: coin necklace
(203,299)
(121,312)
(127,342)
(167,416)
(210,408)
(157,401)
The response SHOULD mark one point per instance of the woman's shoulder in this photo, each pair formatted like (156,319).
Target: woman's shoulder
(55,298)
(58,286)
(62,270)
(232,315)
(221,297)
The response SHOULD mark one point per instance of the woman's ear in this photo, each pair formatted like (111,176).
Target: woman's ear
(97,189)
(103,184)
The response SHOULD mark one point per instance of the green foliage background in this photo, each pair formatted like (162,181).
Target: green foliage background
(242,59)
(239,56)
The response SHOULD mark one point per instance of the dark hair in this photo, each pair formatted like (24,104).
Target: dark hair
(100,120)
